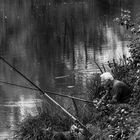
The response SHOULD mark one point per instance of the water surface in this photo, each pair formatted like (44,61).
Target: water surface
(55,45)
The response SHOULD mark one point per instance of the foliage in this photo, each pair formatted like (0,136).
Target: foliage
(132,67)
(41,126)
(119,122)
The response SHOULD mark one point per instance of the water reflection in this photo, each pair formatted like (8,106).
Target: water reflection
(55,44)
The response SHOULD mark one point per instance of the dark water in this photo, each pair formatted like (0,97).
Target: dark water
(55,45)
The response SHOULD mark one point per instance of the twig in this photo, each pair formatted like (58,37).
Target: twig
(104,67)
(98,66)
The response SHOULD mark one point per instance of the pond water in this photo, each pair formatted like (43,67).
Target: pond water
(56,46)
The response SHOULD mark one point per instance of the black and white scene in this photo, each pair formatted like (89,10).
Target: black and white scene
(69,69)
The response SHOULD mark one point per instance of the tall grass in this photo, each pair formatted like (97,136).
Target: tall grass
(42,126)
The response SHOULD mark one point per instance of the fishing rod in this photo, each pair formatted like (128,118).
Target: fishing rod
(51,99)
(49,92)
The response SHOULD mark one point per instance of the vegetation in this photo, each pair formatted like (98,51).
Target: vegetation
(42,126)
(120,122)
(109,122)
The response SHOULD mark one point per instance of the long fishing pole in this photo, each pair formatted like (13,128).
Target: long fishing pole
(49,92)
(70,115)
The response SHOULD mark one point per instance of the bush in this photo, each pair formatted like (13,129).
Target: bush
(41,126)
(119,122)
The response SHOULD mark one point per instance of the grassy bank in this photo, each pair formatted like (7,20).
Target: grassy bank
(122,121)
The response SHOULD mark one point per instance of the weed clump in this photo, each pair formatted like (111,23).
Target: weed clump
(41,126)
